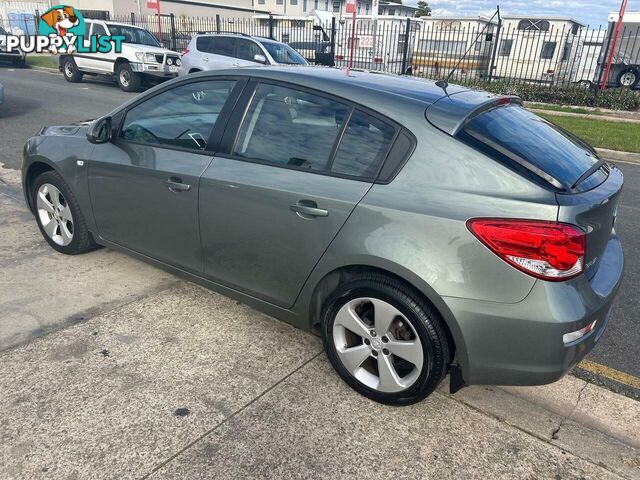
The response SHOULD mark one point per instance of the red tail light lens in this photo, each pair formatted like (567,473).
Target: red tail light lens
(185,51)
(547,250)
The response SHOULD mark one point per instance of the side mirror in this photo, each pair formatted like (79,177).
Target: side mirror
(100,131)
(260,58)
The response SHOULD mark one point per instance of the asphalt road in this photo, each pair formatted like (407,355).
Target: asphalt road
(36,98)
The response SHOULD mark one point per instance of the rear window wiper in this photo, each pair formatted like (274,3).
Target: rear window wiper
(590,171)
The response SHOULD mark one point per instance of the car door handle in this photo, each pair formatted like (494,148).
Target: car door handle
(175,185)
(307,208)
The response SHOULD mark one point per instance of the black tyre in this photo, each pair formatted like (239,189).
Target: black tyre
(629,77)
(385,340)
(59,217)
(70,70)
(128,80)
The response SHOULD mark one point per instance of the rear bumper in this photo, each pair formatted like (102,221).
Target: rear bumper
(522,343)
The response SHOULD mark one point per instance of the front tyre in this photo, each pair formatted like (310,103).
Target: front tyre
(59,216)
(385,340)
(70,70)
(128,80)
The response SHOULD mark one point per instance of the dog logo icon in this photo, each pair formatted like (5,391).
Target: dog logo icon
(61,21)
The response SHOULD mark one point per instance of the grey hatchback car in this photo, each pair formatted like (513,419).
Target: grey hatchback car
(419,231)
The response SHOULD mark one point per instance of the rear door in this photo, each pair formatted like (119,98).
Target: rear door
(223,53)
(296,165)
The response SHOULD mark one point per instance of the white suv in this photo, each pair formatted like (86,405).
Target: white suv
(213,51)
(141,58)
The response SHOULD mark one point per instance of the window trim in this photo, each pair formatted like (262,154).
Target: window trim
(242,108)
(215,136)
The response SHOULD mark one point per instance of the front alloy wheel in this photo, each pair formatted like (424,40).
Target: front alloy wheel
(55,214)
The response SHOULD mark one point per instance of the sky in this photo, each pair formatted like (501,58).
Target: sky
(592,12)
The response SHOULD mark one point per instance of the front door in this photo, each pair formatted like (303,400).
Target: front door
(270,206)
(144,185)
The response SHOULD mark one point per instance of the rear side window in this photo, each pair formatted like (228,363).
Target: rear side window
(289,127)
(364,146)
(224,46)
(515,136)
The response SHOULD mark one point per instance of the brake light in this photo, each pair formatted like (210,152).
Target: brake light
(185,51)
(339,57)
(548,250)
(377,60)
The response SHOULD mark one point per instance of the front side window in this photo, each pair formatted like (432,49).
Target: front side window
(548,49)
(288,127)
(181,117)
(364,146)
(98,30)
(133,35)
(247,50)
(284,54)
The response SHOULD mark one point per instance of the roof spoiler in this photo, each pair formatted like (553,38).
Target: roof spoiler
(451,112)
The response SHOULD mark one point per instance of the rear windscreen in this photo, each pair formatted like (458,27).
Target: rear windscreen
(512,134)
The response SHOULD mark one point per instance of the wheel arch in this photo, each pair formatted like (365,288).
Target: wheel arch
(33,171)
(119,61)
(195,70)
(329,281)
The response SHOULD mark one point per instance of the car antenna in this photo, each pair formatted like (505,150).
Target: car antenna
(444,83)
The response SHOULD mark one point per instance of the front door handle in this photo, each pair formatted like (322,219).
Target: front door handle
(309,209)
(175,185)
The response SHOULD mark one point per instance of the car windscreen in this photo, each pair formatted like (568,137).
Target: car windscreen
(282,53)
(133,35)
(519,137)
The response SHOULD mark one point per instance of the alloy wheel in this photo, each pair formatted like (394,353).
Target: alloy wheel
(54,214)
(378,345)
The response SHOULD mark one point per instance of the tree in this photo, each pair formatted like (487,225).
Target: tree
(424,10)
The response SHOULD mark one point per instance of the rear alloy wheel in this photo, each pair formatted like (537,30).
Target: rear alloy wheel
(385,341)
(629,77)
(128,80)
(59,217)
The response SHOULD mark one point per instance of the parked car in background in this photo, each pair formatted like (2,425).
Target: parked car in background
(420,230)
(318,53)
(18,59)
(142,58)
(211,51)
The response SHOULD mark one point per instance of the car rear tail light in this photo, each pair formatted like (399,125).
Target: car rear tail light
(377,60)
(339,57)
(185,51)
(547,250)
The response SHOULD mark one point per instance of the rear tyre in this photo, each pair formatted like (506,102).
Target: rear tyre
(70,70)
(629,77)
(385,340)
(59,217)
(128,80)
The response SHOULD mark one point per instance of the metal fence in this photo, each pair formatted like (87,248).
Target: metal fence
(551,53)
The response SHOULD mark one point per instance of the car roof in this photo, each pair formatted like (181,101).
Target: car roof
(377,86)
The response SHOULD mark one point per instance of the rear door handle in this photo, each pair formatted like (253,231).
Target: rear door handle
(175,185)
(309,209)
